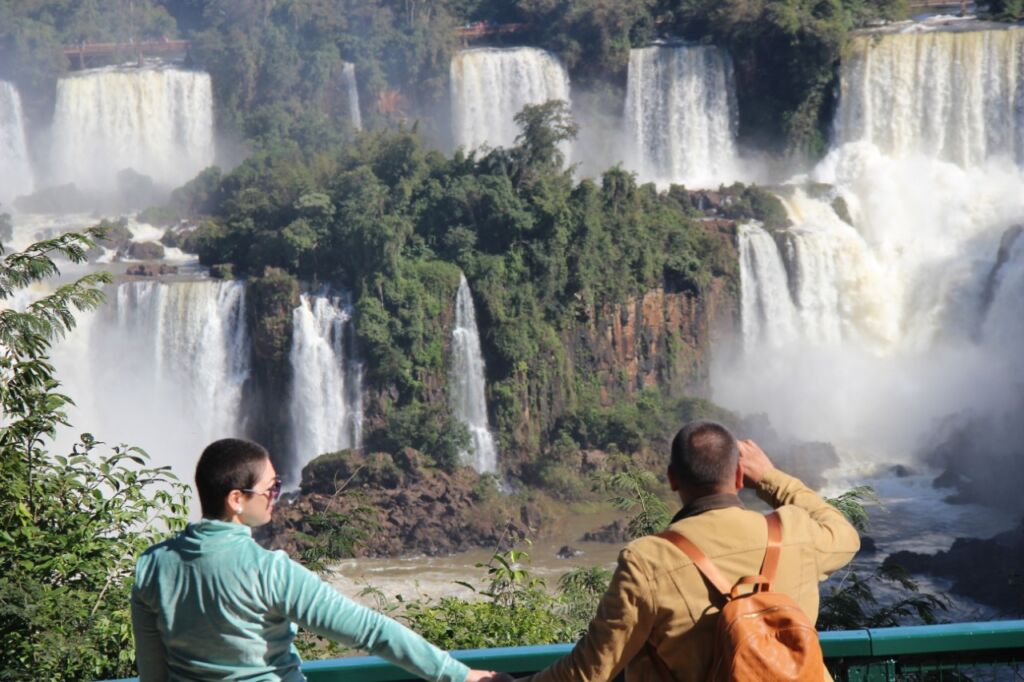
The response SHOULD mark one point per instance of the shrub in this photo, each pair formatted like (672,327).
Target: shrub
(71,525)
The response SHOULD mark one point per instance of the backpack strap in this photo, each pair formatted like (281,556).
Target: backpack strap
(771,553)
(710,573)
(769,566)
(700,560)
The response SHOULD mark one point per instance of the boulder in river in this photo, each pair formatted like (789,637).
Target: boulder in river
(146,250)
(567,552)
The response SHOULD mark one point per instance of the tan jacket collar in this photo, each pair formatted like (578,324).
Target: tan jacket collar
(707,503)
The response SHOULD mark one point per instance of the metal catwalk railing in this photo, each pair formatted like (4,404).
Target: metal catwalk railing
(957,652)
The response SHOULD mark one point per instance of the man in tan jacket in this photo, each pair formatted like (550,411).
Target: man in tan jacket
(658,596)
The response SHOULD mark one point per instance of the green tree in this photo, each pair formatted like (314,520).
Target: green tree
(71,525)
(631,488)
(1006,10)
(543,128)
(516,610)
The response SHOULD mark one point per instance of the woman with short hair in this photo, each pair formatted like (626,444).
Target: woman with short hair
(211,604)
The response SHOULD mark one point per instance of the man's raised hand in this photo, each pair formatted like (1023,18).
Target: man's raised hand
(755,462)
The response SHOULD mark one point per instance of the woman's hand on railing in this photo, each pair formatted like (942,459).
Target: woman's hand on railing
(487,676)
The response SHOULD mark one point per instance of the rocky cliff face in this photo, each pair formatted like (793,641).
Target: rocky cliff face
(663,338)
(660,339)
(270,301)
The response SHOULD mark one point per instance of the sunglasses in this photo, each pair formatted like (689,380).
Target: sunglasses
(272,493)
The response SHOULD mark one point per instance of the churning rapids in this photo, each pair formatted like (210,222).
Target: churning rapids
(885,318)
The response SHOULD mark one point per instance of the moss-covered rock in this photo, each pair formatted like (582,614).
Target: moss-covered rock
(842,210)
(354,468)
(161,216)
(146,250)
(222,271)
(430,512)
(115,233)
(270,300)
(324,473)
(751,202)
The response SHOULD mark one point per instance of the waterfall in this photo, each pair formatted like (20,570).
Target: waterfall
(468,399)
(909,312)
(348,77)
(768,315)
(15,166)
(326,403)
(161,365)
(681,115)
(954,95)
(489,86)
(156,121)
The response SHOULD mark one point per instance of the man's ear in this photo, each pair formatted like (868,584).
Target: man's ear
(672,483)
(739,475)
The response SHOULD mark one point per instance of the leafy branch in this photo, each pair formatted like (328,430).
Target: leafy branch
(630,489)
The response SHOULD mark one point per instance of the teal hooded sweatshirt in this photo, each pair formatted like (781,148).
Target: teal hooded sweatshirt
(211,604)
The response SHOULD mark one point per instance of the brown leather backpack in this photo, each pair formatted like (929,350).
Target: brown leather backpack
(761,634)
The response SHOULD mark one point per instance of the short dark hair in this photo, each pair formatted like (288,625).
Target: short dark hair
(704,454)
(225,465)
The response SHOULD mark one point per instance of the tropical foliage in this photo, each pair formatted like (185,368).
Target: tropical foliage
(72,522)
(395,223)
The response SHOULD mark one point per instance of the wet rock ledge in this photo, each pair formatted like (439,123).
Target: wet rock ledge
(988,571)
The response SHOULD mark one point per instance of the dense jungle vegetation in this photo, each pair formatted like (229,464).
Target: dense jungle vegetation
(395,223)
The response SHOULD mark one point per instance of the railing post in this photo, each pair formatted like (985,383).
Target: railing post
(872,671)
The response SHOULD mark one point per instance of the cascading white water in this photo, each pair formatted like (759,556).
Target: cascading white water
(466,385)
(326,403)
(489,86)
(161,365)
(954,95)
(348,76)
(156,121)
(15,166)
(767,311)
(681,115)
(888,313)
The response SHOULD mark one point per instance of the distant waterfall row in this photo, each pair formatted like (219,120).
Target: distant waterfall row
(157,121)
(679,114)
(679,117)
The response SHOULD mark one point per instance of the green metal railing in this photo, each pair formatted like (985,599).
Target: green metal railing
(955,652)
(958,652)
